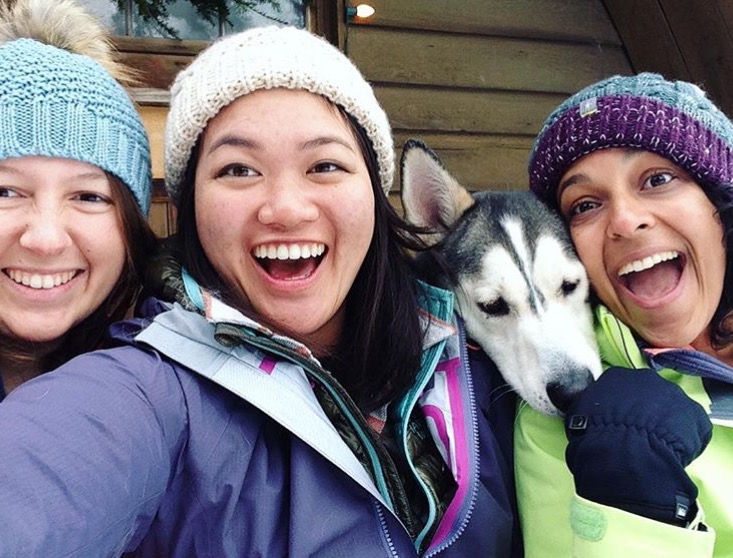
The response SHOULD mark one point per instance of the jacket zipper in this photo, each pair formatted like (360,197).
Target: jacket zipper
(385,529)
(306,364)
(474,425)
(405,410)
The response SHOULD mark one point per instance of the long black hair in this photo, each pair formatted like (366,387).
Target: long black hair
(379,352)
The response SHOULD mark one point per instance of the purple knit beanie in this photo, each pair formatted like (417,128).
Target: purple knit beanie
(673,119)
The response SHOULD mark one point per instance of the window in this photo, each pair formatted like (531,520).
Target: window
(147,44)
(194,19)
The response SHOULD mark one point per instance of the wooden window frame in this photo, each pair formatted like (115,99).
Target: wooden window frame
(159,60)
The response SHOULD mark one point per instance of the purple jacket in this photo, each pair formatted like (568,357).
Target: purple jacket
(187,447)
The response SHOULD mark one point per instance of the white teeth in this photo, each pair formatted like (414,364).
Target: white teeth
(289,251)
(38,281)
(648,262)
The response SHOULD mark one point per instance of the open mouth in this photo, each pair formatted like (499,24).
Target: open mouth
(654,276)
(290,262)
(40,280)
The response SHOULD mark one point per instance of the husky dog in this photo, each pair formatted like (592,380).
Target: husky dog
(519,286)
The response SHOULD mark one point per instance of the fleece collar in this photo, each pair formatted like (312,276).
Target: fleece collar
(435,315)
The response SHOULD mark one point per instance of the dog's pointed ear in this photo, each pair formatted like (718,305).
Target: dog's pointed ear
(431,197)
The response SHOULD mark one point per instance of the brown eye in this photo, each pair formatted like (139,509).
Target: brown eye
(658,179)
(326,167)
(91,197)
(236,170)
(582,207)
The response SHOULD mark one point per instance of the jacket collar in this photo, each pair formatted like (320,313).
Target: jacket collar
(435,315)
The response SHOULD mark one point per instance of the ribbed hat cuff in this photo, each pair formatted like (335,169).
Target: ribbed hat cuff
(72,131)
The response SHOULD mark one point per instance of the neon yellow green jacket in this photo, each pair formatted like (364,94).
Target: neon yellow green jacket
(556,523)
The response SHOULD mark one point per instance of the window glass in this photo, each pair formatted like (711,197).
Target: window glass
(184,22)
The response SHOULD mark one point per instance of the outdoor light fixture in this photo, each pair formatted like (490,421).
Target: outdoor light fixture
(362,11)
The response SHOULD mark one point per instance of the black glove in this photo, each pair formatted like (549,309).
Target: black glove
(631,434)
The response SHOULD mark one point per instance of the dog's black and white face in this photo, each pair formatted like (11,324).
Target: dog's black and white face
(519,285)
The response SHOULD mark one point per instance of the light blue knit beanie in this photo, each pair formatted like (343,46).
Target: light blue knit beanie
(55,103)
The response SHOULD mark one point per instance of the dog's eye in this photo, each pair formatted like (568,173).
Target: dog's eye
(497,307)
(568,287)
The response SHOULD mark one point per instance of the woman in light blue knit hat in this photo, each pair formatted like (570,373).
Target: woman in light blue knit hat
(641,169)
(74,188)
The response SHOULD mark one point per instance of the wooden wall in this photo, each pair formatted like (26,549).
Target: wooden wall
(475,79)
(690,40)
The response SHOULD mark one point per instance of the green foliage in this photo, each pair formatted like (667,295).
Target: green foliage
(213,11)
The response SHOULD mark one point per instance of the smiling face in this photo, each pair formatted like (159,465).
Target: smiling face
(62,245)
(650,241)
(285,207)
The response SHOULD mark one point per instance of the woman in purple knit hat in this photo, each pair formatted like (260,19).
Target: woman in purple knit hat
(640,168)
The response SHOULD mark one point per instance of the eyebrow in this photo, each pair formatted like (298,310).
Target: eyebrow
(570,181)
(239,141)
(325,140)
(91,175)
(86,175)
(233,140)
(628,153)
(631,152)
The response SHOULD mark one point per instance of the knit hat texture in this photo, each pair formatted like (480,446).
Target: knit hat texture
(674,119)
(54,103)
(268,58)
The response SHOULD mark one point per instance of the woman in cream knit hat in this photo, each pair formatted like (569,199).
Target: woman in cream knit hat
(305,396)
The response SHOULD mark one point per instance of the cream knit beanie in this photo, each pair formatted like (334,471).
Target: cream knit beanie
(268,58)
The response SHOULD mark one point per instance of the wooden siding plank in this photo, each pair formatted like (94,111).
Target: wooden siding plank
(705,42)
(572,20)
(154,121)
(390,56)
(413,109)
(647,36)
(150,45)
(725,8)
(158,218)
(157,71)
(478,162)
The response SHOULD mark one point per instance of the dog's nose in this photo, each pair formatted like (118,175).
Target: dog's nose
(561,392)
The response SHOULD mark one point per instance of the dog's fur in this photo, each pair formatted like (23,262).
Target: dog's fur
(519,286)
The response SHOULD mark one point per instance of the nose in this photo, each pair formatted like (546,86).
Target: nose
(561,392)
(288,204)
(45,232)
(627,217)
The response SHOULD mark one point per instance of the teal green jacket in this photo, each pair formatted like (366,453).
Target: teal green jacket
(557,523)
